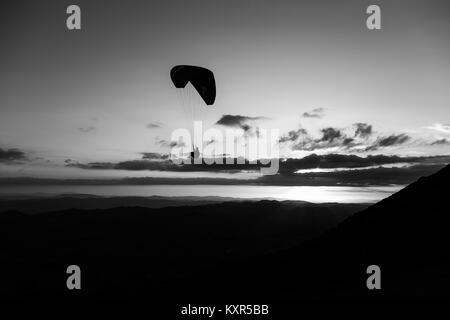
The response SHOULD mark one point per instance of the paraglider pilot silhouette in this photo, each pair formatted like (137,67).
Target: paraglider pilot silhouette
(204,83)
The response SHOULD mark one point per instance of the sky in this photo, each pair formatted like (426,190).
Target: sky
(311,69)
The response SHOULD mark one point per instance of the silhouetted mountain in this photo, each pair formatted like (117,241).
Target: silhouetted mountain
(265,249)
(47,202)
(411,224)
(406,234)
(136,251)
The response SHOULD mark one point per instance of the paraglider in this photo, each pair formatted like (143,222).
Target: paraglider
(201,79)
(204,83)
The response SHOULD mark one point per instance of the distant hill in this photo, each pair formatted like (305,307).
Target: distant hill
(37,203)
(138,251)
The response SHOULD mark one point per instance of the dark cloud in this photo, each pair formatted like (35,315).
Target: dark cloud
(91,165)
(287,166)
(315,113)
(166,165)
(154,125)
(363,130)
(373,170)
(440,142)
(370,176)
(169,144)
(330,134)
(154,156)
(86,129)
(12,155)
(238,121)
(180,144)
(348,142)
(161,142)
(131,165)
(336,138)
(330,161)
(392,140)
(331,137)
(293,135)
(125,165)
(135,165)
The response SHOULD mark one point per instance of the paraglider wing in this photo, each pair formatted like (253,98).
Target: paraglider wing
(202,79)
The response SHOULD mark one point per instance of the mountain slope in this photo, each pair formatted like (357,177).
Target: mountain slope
(411,223)
(407,235)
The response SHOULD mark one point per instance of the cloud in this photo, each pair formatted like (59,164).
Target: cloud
(91,165)
(179,144)
(382,175)
(392,140)
(367,175)
(154,125)
(154,156)
(363,130)
(376,169)
(293,135)
(207,143)
(131,165)
(348,142)
(330,134)
(161,142)
(169,144)
(134,165)
(443,128)
(12,155)
(361,140)
(86,129)
(238,121)
(331,137)
(440,142)
(317,113)
(334,160)
(164,165)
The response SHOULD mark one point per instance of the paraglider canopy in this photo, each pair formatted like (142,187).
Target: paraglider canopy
(201,79)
